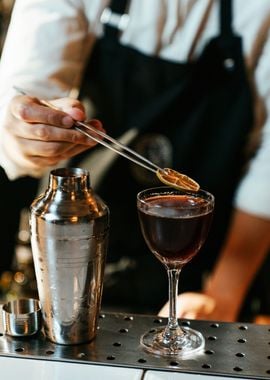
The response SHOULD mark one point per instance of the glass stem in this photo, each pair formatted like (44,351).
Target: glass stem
(173,275)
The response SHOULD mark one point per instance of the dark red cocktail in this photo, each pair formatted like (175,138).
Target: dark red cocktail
(175,224)
(171,232)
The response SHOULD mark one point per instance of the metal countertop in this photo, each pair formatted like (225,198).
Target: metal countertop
(240,350)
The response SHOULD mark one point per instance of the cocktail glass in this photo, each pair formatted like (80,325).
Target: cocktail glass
(175,225)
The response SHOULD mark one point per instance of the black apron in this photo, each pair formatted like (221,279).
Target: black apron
(204,110)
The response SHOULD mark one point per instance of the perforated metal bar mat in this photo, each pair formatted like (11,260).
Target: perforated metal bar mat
(232,349)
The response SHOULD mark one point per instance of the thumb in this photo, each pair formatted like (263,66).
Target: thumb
(72,107)
(190,305)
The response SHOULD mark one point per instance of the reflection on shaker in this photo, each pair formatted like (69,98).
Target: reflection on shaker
(69,231)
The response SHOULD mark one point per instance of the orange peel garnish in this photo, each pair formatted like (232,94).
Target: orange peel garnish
(177,180)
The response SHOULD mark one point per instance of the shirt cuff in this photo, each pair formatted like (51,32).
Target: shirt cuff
(253,197)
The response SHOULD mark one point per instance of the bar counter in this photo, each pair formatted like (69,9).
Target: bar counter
(232,350)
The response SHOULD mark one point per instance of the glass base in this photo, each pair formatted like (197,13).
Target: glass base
(181,342)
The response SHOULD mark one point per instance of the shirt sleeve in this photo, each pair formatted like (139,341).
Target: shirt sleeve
(253,193)
(45,51)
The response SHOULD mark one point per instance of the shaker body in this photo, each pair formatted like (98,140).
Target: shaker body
(69,232)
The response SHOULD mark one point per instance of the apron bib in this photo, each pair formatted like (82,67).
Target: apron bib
(194,117)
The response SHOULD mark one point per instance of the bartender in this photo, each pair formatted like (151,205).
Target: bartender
(185,84)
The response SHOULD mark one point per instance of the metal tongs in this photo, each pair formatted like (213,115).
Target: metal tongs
(166,175)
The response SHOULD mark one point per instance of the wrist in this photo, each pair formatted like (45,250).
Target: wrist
(227,300)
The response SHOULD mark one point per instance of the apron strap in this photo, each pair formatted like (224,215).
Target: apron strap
(114,18)
(118,6)
(226,18)
(225,24)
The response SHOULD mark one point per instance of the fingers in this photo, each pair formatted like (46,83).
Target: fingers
(30,110)
(72,107)
(48,141)
(192,305)
(32,121)
(38,136)
(164,311)
(37,154)
(48,133)
(44,161)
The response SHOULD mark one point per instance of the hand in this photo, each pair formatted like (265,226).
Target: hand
(35,137)
(192,305)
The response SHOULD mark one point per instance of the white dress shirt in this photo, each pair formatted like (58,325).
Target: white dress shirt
(49,42)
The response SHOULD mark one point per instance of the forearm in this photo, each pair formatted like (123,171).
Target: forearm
(246,247)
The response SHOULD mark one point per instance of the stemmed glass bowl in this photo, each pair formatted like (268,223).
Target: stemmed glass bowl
(175,225)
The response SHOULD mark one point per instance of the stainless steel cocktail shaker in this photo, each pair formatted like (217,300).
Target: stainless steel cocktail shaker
(69,230)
